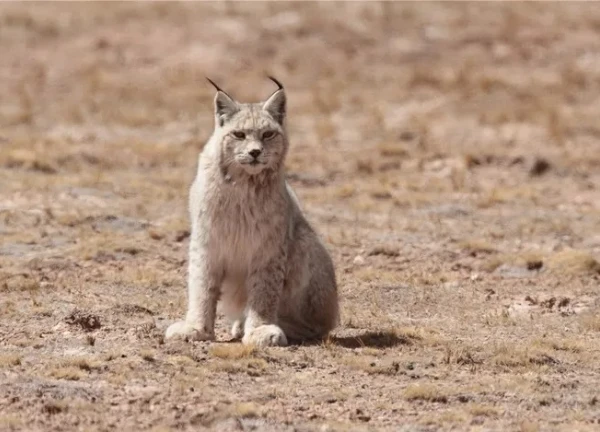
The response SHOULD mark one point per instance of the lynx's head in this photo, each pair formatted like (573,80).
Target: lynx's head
(252,135)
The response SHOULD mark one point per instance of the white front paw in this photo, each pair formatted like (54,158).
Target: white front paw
(265,335)
(188,332)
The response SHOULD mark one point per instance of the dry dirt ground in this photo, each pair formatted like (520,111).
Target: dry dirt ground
(448,153)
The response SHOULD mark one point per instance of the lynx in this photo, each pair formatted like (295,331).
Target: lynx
(251,248)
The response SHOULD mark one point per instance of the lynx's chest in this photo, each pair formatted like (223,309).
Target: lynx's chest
(246,227)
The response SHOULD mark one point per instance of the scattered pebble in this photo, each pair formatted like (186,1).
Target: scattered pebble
(540,166)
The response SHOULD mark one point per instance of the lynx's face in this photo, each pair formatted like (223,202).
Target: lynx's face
(253,140)
(253,137)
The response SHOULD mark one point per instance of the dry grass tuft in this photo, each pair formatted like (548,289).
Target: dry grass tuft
(591,321)
(477,246)
(28,160)
(345,191)
(392,150)
(246,410)
(84,363)
(530,260)
(162,428)
(55,407)
(19,283)
(112,355)
(67,373)
(233,351)
(378,339)
(573,262)
(251,366)
(425,392)
(148,355)
(453,417)
(370,365)
(10,422)
(514,357)
(483,410)
(181,360)
(560,345)
(8,360)
(528,426)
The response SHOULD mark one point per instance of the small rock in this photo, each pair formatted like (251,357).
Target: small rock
(548,303)
(407,136)
(181,235)
(451,285)
(539,167)
(155,235)
(477,420)
(358,260)
(531,300)
(564,302)
(360,415)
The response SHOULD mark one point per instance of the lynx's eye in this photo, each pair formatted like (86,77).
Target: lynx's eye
(239,135)
(268,135)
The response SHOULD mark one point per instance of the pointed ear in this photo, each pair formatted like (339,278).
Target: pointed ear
(276,104)
(225,106)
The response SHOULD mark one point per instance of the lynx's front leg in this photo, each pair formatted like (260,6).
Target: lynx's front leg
(264,285)
(203,294)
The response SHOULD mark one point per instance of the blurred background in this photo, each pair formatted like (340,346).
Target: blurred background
(469,78)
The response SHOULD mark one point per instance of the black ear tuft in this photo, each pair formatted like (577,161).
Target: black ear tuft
(276,104)
(214,85)
(219,89)
(276,82)
(225,105)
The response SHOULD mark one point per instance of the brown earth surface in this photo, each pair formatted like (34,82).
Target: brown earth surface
(448,153)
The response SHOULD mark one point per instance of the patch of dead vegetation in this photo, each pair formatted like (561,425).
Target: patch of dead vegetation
(232,351)
(564,344)
(570,262)
(591,321)
(476,247)
(481,410)
(84,363)
(426,392)
(574,262)
(86,321)
(250,366)
(227,416)
(509,356)
(148,355)
(71,373)
(21,282)
(10,360)
(55,407)
(378,339)
(11,422)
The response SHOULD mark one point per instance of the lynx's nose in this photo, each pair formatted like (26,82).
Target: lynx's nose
(254,153)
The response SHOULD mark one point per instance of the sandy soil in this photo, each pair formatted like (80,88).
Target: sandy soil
(448,153)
